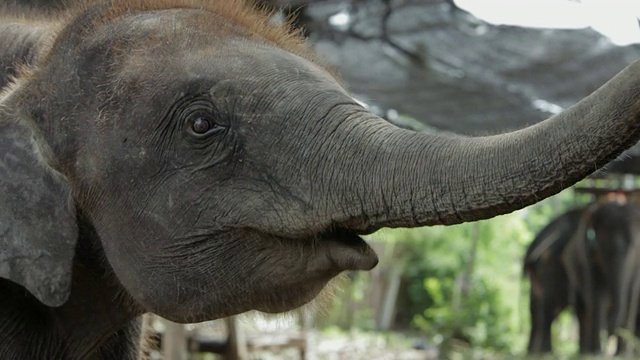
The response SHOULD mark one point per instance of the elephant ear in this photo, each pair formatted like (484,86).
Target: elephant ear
(38,227)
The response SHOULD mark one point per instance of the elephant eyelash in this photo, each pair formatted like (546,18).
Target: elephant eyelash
(167,126)
(176,116)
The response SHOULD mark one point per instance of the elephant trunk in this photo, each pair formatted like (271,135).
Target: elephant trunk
(408,179)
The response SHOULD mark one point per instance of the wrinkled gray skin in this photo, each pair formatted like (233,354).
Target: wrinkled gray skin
(602,262)
(118,201)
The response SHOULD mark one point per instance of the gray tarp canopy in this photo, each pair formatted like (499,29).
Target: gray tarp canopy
(431,61)
(452,72)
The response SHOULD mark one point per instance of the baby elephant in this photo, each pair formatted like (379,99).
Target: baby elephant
(195,160)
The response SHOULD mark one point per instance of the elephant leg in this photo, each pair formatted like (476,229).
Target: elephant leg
(541,319)
(637,328)
(622,345)
(589,321)
(581,313)
(547,301)
(633,318)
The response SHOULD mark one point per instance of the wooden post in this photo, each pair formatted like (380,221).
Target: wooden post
(174,342)
(377,289)
(237,342)
(306,318)
(388,307)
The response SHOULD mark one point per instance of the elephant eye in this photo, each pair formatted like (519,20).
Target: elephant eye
(201,126)
(199,117)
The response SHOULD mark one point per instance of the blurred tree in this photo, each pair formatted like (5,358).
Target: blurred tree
(462,284)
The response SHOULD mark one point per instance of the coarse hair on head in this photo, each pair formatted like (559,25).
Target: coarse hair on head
(254,19)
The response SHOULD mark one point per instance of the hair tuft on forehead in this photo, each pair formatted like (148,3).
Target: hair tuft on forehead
(256,20)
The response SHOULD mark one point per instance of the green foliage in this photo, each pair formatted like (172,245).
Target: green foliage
(463,284)
(456,290)
(477,320)
(434,259)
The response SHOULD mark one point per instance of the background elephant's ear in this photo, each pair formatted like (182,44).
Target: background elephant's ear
(38,228)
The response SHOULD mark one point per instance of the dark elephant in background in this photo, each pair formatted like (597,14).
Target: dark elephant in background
(551,291)
(603,264)
(588,259)
(194,159)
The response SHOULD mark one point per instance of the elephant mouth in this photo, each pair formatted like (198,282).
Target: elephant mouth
(330,253)
(309,261)
(346,250)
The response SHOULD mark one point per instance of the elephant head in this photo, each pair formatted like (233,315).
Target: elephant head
(215,166)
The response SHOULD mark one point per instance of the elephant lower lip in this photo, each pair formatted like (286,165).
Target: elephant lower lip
(348,251)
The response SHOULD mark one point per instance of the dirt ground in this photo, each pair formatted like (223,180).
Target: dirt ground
(269,339)
(324,346)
